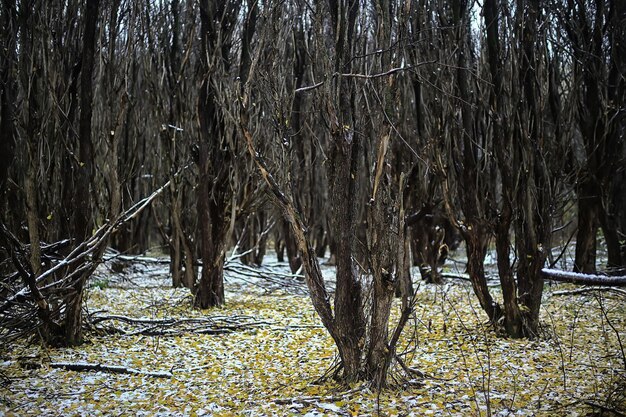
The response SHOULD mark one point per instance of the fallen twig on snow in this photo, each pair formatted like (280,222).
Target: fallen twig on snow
(590,289)
(176,327)
(462,276)
(114,369)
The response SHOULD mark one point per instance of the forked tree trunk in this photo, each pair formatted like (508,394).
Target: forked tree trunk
(363,355)
(472,179)
(476,239)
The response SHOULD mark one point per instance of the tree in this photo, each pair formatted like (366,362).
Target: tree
(83,219)
(598,90)
(215,147)
(8,92)
(471,166)
(533,147)
(360,330)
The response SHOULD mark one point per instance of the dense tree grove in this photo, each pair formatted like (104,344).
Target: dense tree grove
(367,131)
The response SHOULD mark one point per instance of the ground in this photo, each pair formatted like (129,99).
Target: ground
(264,353)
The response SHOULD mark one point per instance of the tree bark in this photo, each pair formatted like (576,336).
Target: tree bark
(290,247)
(8,92)
(213,191)
(83,220)
(534,198)
(502,145)
(349,329)
(475,232)
(585,256)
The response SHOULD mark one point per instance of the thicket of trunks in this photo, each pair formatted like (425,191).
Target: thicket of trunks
(365,131)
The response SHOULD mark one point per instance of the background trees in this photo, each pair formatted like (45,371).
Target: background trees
(366,120)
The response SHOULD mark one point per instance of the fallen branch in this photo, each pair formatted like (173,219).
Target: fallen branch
(177,327)
(137,258)
(583,279)
(86,367)
(464,277)
(586,290)
(605,408)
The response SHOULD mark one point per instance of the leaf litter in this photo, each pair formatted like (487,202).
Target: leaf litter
(271,356)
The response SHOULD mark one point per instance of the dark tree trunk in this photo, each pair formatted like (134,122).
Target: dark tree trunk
(533,225)
(383,252)
(614,222)
(261,237)
(588,198)
(290,247)
(502,145)
(8,93)
(349,318)
(350,321)
(83,219)
(600,126)
(215,159)
(471,179)
(212,194)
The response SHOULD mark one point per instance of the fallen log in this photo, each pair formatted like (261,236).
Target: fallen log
(583,279)
(114,369)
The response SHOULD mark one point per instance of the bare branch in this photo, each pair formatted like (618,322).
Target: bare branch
(309,87)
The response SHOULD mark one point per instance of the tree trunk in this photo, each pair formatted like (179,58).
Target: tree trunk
(585,257)
(476,242)
(213,192)
(383,253)
(83,220)
(290,247)
(349,318)
(30,57)
(213,227)
(614,222)
(472,179)
(503,145)
(8,93)
(534,198)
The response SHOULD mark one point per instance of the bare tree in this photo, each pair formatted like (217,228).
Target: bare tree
(8,92)
(590,27)
(359,328)
(83,219)
(215,147)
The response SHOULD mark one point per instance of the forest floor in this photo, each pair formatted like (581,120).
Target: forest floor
(264,352)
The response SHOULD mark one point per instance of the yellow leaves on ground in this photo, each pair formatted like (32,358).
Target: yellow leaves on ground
(270,370)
